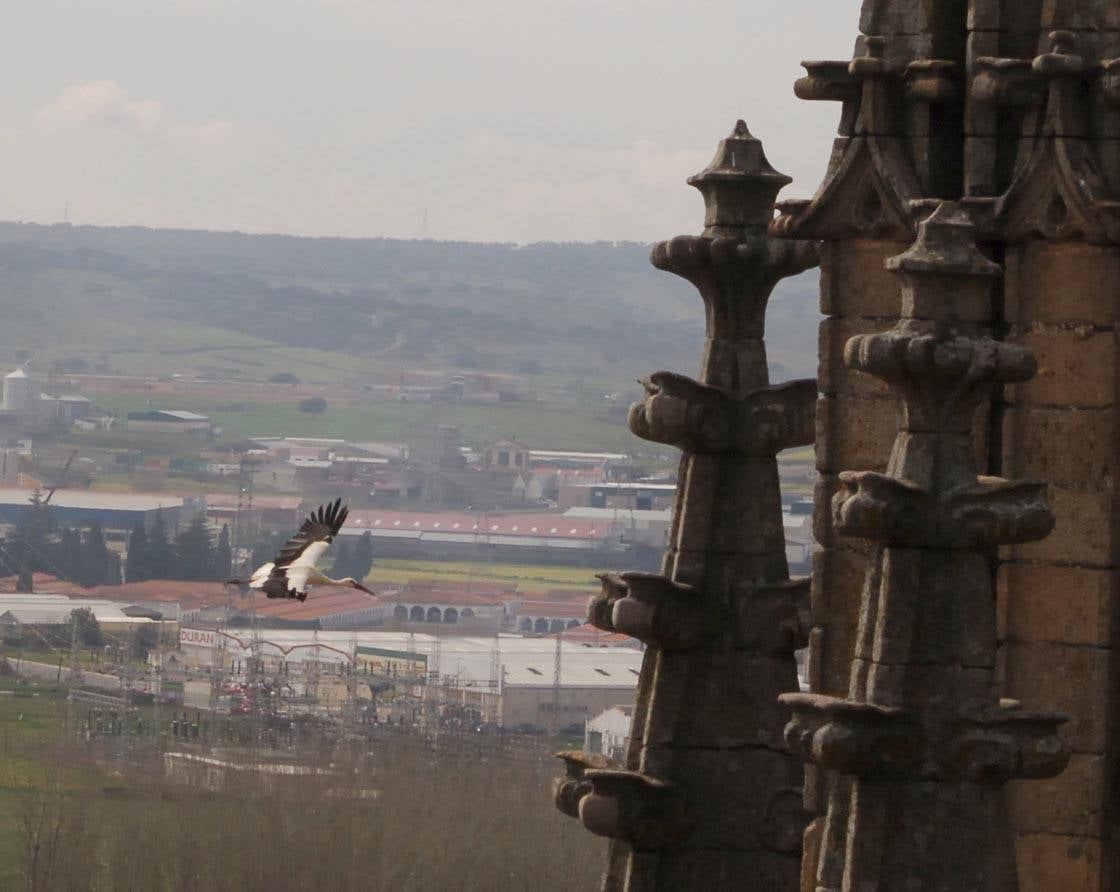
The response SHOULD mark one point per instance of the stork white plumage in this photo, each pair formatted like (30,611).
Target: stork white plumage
(293,571)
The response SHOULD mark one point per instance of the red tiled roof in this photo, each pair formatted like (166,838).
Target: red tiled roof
(465,587)
(230,500)
(557,609)
(555,526)
(559,594)
(588,634)
(323,602)
(190,595)
(444,596)
(43,582)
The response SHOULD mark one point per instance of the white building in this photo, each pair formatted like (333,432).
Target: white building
(17,391)
(609,732)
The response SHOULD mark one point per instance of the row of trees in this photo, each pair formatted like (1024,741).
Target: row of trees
(353,560)
(36,545)
(85,631)
(191,554)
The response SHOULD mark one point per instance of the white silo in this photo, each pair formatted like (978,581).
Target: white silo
(17,391)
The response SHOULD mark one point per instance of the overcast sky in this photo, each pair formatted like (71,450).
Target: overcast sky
(508,120)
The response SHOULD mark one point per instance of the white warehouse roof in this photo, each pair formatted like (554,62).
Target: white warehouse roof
(96,499)
(526,661)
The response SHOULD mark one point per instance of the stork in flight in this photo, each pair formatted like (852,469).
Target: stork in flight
(293,571)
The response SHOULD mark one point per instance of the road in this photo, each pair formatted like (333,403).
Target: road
(47,672)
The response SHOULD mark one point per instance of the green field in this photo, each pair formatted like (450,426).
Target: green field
(31,717)
(534,424)
(529,576)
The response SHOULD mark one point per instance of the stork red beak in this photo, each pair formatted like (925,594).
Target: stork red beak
(362,588)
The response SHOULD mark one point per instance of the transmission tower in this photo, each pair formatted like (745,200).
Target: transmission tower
(311,675)
(350,717)
(255,680)
(494,713)
(218,661)
(557,670)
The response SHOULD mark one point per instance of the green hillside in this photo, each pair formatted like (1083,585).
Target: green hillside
(134,300)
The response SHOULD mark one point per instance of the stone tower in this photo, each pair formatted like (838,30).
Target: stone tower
(709,797)
(1010,109)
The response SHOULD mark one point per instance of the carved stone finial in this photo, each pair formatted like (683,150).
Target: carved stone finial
(739,186)
(923,704)
(708,799)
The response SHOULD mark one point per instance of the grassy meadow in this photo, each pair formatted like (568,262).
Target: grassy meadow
(530,577)
(532,423)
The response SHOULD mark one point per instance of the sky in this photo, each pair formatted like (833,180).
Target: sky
(478,120)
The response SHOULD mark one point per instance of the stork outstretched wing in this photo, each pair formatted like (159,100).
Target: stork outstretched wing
(287,576)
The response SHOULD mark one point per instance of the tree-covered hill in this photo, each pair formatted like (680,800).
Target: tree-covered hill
(166,301)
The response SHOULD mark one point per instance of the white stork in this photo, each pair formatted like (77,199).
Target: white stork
(293,571)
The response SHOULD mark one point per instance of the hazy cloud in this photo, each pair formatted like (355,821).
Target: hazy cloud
(98,104)
(508,120)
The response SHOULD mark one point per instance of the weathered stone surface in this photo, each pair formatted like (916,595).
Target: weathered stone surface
(1077,367)
(1063,678)
(1048,861)
(835,376)
(1082,531)
(1073,448)
(824,530)
(1062,283)
(837,582)
(728,873)
(1069,804)
(1056,604)
(710,716)
(854,433)
(854,281)
(764,815)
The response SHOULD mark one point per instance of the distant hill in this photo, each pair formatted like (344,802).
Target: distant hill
(141,300)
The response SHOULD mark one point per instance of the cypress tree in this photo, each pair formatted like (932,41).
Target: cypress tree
(68,554)
(343,560)
(136,565)
(26,547)
(223,556)
(161,555)
(361,557)
(94,562)
(194,552)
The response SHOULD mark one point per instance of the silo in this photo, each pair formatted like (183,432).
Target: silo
(17,391)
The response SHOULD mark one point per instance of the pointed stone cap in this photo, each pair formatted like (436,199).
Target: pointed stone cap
(946,245)
(945,276)
(739,186)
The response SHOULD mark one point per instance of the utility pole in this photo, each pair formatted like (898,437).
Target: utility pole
(557,678)
(75,675)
